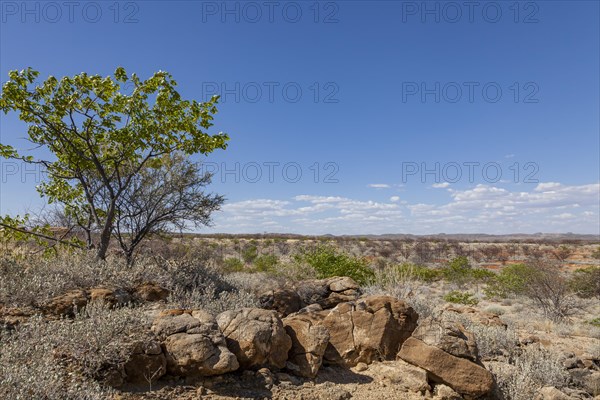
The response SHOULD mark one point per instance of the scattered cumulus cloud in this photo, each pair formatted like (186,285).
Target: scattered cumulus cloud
(440,185)
(549,207)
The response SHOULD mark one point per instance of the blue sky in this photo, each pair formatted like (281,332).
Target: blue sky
(400,117)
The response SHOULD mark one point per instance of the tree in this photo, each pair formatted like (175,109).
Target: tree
(100,140)
(163,197)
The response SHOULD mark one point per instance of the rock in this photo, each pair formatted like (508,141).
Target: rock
(327,292)
(67,303)
(361,366)
(461,374)
(309,342)
(448,336)
(551,393)
(372,328)
(285,301)
(443,392)
(401,373)
(193,344)
(146,364)
(10,317)
(150,291)
(256,336)
(111,296)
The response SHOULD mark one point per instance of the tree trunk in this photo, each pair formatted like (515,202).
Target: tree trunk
(106,232)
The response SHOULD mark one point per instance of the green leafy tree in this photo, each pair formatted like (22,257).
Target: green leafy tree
(97,140)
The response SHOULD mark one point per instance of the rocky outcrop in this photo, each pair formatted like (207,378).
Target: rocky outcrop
(193,344)
(285,301)
(309,342)
(369,329)
(461,374)
(256,337)
(448,336)
(327,292)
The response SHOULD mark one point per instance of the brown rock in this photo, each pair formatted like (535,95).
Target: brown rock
(67,303)
(285,301)
(372,328)
(401,373)
(443,392)
(309,342)
(448,336)
(150,291)
(193,344)
(462,375)
(327,292)
(110,296)
(256,336)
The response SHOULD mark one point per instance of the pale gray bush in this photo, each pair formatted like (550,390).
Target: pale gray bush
(66,359)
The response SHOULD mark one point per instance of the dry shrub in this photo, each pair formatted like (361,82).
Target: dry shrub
(65,359)
(531,369)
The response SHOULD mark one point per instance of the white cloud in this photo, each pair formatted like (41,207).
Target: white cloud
(379,185)
(440,185)
(549,207)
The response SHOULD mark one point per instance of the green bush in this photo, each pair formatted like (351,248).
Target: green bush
(458,271)
(265,263)
(328,262)
(249,253)
(233,265)
(458,297)
(513,279)
(419,272)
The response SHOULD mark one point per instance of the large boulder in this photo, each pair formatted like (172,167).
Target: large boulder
(448,336)
(369,329)
(193,344)
(256,336)
(461,374)
(327,292)
(309,342)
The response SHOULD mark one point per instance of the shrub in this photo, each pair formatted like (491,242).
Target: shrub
(458,297)
(586,282)
(329,262)
(420,272)
(266,263)
(249,253)
(458,271)
(595,322)
(233,264)
(511,280)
